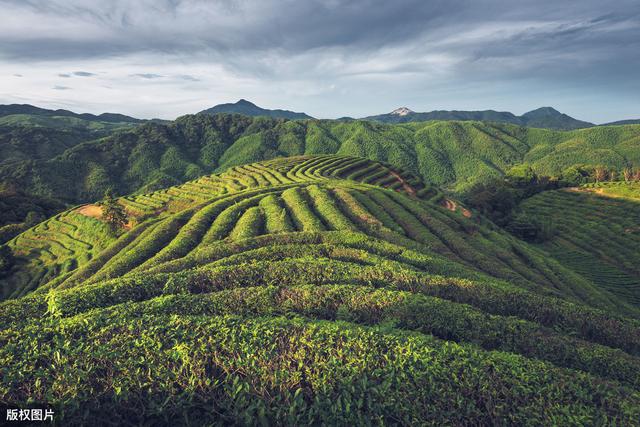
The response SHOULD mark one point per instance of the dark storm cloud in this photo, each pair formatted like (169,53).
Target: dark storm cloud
(73,28)
(410,46)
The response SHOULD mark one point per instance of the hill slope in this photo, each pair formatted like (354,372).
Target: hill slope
(306,290)
(27,141)
(455,155)
(596,233)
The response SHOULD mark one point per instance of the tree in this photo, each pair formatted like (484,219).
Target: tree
(112,212)
(600,173)
(575,175)
(33,218)
(521,175)
(494,198)
(628,174)
(6,259)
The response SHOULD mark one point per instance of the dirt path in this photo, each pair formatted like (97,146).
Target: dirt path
(584,190)
(407,188)
(447,203)
(453,207)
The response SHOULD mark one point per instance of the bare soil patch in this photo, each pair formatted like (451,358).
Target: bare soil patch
(407,188)
(95,211)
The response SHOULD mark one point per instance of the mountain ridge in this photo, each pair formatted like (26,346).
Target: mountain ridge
(622,122)
(250,109)
(13,109)
(543,117)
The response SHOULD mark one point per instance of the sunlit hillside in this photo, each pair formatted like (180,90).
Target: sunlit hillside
(303,290)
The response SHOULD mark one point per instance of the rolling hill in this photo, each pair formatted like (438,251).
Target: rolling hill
(30,110)
(455,155)
(623,122)
(544,117)
(303,290)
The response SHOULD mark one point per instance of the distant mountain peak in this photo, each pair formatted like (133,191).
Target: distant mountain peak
(248,108)
(543,111)
(402,111)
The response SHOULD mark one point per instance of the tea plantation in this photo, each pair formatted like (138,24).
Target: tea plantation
(596,232)
(310,290)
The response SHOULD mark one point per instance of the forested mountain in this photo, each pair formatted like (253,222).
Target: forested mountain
(250,109)
(455,155)
(545,117)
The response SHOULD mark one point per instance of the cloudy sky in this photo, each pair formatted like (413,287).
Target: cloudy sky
(329,58)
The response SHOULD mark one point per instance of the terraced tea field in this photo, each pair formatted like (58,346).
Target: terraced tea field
(52,249)
(314,289)
(43,261)
(597,233)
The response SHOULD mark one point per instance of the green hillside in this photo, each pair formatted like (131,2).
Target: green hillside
(596,232)
(308,290)
(455,155)
(27,141)
(63,122)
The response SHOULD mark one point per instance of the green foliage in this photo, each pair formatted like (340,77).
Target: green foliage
(112,212)
(6,260)
(531,229)
(309,290)
(499,199)
(76,165)
(16,207)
